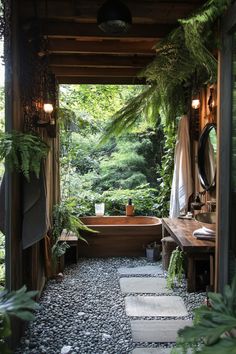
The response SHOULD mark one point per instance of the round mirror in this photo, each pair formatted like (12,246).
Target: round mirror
(207,151)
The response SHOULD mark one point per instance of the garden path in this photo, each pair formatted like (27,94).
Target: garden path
(86,313)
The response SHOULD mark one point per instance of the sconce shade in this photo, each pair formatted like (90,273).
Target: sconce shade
(48,108)
(114,17)
(196,103)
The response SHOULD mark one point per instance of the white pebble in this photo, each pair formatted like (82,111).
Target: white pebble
(106,336)
(66,349)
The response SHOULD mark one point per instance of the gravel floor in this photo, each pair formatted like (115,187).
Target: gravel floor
(86,311)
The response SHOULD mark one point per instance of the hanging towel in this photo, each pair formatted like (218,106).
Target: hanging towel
(182,184)
(35,221)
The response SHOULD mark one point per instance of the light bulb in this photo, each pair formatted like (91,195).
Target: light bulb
(48,108)
(195,103)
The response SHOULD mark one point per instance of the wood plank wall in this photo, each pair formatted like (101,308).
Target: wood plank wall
(197,123)
(24,267)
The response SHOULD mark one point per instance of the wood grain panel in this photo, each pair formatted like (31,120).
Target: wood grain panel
(101,61)
(76,80)
(101,47)
(86,72)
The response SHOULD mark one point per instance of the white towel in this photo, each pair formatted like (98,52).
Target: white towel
(204,231)
(182,184)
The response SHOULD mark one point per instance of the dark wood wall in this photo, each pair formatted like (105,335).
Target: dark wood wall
(29,266)
(199,119)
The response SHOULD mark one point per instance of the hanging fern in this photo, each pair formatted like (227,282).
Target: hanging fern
(175,269)
(186,51)
(198,34)
(126,118)
(23,152)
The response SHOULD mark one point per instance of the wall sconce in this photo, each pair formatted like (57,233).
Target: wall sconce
(211,102)
(43,118)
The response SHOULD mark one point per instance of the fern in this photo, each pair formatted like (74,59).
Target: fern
(175,269)
(186,51)
(198,34)
(63,219)
(127,117)
(23,152)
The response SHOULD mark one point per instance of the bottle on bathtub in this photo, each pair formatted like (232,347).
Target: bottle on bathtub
(129,208)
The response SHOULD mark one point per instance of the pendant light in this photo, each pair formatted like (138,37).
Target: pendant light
(114,17)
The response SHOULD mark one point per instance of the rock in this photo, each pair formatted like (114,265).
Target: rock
(106,336)
(66,349)
(86,325)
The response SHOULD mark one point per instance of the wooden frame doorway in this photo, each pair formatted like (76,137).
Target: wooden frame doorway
(227,158)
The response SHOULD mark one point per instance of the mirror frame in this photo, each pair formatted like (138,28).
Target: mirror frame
(201,161)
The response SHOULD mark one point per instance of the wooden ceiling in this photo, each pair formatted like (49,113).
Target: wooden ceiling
(81,53)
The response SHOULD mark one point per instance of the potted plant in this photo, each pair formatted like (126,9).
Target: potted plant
(153,251)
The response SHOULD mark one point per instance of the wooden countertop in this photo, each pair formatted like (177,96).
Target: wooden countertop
(182,232)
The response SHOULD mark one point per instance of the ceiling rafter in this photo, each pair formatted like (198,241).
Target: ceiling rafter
(100,61)
(79,52)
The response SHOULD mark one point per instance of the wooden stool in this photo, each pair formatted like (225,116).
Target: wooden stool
(168,246)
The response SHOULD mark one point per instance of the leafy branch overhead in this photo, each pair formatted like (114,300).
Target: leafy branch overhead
(23,152)
(186,52)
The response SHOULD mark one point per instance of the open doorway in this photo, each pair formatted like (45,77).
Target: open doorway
(98,166)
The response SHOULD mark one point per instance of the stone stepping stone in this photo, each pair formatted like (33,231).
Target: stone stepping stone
(157,331)
(152,351)
(167,306)
(143,285)
(143,270)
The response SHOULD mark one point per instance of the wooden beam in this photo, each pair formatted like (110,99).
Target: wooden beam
(86,10)
(90,31)
(94,72)
(100,61)
(101,47)
(100,80)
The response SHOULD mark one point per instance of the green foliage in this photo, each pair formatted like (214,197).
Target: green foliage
(213,331)
(2,260)
(22,152)
(145,104)
(144,199)
(199,36)
(96,102)
(165,171)
(64,220)
(18,303)
(175,269)
(125,168)
(114,171)
(183,54)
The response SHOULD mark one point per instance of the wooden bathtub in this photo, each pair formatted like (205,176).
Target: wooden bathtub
(119,235)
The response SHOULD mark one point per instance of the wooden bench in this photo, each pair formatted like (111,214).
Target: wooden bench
(72,241)
(181,230)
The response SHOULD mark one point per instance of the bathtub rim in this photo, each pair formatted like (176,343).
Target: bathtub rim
(158,223)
